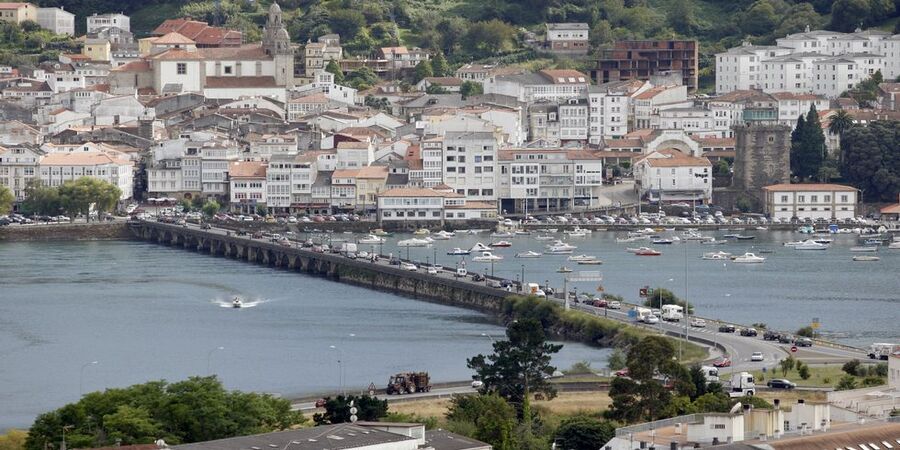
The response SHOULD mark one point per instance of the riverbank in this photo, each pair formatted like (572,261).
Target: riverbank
(96,231)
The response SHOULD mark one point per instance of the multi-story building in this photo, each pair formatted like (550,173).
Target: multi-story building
(573,120)
(548,179)
(413,204)
(568,38)
(672,176)
(470,163)
(18,12)
(18,166)
(316,55)
(550,85)
(610,108)
(353,155)
(292,179)
(263,147)
(740,68)
(641,60)
(810,201)
(58,168)
(358,189)
(648,104)
(57,20)
(791,105)
(247,185)
(96,22)
(694,120)
(203,35)
(431,173)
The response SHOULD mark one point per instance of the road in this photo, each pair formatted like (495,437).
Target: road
(737,348)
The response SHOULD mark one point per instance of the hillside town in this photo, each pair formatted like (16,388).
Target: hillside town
(194,113)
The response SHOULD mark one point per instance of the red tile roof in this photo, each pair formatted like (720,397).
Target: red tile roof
(240,82)
(247,169)
(140,65)
(808,187)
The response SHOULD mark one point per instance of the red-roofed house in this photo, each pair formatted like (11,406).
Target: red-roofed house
(247,181)
(421,206)
(58,168)
(813,201)
(18,12)
(892,212)
(673,176)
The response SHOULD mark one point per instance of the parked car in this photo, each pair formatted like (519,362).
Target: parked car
(803,342)
(320,403)
(477,277)
(477,384)
(749,332)
(726,328)
(785,339)
(757,356)
(781,383)
(651,319)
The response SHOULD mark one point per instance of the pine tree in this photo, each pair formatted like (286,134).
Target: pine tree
(796,145)
(439,65)
(813,144)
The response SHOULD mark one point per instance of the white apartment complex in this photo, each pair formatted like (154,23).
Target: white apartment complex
(819,62)
(470,163)
(57,20)
(96,22)
(672,176)
(58,168)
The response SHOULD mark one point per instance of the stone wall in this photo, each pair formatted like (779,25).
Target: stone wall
(66,232)
(762,157)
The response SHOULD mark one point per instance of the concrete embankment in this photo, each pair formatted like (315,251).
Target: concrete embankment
(66,232)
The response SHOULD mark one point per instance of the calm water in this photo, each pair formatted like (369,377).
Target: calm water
(856,302)
(147,312)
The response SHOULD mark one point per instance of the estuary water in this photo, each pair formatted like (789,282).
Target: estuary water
(147,312)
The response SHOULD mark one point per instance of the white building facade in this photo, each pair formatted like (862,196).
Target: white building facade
(813,201)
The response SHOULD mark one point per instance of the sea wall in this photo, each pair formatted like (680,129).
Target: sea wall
(66,232)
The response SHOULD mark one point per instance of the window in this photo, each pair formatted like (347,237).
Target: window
(181,68)
(784,199)
(843,199)
(227,70)
(801,198)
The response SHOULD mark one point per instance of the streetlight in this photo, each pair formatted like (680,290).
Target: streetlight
(209,358)
(523,278)
(81,377)
(340,365)
(435,255)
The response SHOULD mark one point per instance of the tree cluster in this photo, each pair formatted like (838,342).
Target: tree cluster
(197,409)
(808,151)
(72,198)
(870,160)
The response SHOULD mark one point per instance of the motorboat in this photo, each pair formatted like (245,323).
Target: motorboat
(806,229)
(561,246)
(866,258)
(502,244)
(826,241)
(742,237)
(371,239)
(809,244)
(761,228)
(528,254)
(867,249)
(662,241)
(791,243)
(458,252)
(442,235)
(894,245)
(575,234)
(590,262)
(487,257)
(479,247)
(646,251)
(380,232)
(714,241)
(872,242)
(693,236)
(522,233)
(544,238)
(578,258)
(422,232)
(237,303)
(414,242)
(558,251)
(502,234)
(748,258)
(563,269)
(730,236)
(716,256)
(551,230)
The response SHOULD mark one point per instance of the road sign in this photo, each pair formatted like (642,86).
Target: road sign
(353,418)
(815,325)
(793,349)
(353,410)
(642,292)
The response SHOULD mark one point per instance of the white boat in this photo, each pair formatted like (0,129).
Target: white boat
(414,242)
(237,303)
(578,258)
(528,254)
(626,240)
(748,258)
(487,257)
(590,262)
(714,241)
(791,243)
(544,238)
(867,249)
(501,244)
(823,240)
(810,245)
(560,245)
(632,249)
(577,231)
(563,269)
(894,245)
(662,241)
(458,252)
(551,230)
(762,228)
(479,247)
(442,235)
(694,236)
(422,232)
(371,239)
(523,233)
(646,251)
(866,258)
(502,234)
(576,234)
(716,256)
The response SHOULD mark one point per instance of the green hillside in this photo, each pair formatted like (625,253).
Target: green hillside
(471,30)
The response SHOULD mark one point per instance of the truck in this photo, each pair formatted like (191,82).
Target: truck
(640,314)
(711,373)
(409,383)
(348,248)
(672,313)
(881,350)
(534,289)
(742,385)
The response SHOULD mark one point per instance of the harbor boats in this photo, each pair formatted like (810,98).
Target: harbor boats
(528,254)
(544,238)
(694,236)
(575,234)
(558,251)
(714,256)
(237,303)
(866,258)
(822,240)
(371,239)
(487,257)
(810,244)
(866,249)
(632,249)
(748,258)
(742,237)
(578,258)
(479,247)
(442,235)
(894,245)
(522,233)
(626,239)
(560,246)
(662,241)
(730,236)
(380,232)
(502,244)
(714,241)
(590,262)
(563,269)
(646,251)
(458,252)
(422,232)
(414,242)
(872,242)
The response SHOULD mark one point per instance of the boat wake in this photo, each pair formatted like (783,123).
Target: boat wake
(245,303)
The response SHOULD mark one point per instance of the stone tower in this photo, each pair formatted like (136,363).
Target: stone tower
(277,43)
(762,152)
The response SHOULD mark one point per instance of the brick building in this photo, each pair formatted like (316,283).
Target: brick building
(641,60)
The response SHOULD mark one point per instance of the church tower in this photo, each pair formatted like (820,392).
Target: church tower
(277,43)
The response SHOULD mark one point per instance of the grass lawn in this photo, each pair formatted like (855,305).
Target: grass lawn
(820,376)
(566,403)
